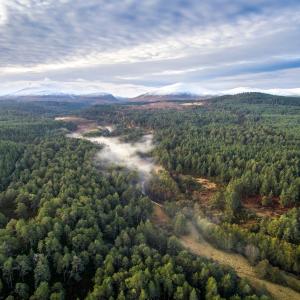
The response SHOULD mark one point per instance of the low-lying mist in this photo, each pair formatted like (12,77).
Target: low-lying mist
(126,154)
(129,155)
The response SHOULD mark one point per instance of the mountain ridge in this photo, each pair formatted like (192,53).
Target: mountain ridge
(52,91)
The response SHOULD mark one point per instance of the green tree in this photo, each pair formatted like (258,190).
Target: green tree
(41,271)
(23,265)
(22,210)
(180,224)
(22,290)
(211,289)
(42,292)
(193,295)
(8,270)
(233,199)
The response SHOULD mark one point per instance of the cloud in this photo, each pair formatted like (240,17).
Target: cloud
(146,43)
(3,13)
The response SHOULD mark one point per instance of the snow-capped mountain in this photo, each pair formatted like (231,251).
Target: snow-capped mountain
(177,91)
(73,90)
(42,91)
(55,91)
(48,88)
(195,89)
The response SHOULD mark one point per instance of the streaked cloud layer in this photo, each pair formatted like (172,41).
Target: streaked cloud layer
(217,44)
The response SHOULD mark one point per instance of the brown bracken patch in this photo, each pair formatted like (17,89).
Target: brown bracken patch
(208,190)
(207,184)
(157,105)
(83,125)
(273,210)
(167,105)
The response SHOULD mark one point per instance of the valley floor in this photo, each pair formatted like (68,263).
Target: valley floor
(196,244)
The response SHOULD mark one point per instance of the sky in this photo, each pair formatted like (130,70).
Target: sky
(131,47)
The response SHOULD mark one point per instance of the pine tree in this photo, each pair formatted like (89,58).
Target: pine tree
(193,295)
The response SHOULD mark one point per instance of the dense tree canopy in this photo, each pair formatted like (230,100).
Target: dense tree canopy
(71,229)
(250,145)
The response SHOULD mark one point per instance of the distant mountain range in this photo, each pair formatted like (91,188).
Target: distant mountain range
(52,91)
(89,99)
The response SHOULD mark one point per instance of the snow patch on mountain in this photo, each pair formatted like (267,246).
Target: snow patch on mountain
(49,87)
(197,90)
(53,88)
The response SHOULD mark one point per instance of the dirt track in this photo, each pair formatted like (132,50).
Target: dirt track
(197,245)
